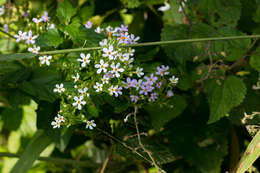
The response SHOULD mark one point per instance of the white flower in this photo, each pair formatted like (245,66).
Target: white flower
(59,88)
(90,124)
(98,87)
(2,10)
(34,49)
(84,91)
(37,21)
(103,42)
(30,38)
(45,16)
(105,79)
(174,80)
(101,66)
(139,71)
(116,69)
(45,59)
(118,90)
(59,118)
(76,78)
(165,7)
(6,28)
(51,26)
(129,60)
(78,102)
(88,24)
(98,30)
(169,93)
(21,36)
(84,59)
(55,124)
(108,52)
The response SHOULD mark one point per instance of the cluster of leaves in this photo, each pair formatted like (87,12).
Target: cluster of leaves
(189,132)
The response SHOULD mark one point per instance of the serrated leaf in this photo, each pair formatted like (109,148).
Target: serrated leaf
(50,38)
(16,56)
(255,62)
(37,144)
(65,11)
(251,154)
(222,98)
(160,115)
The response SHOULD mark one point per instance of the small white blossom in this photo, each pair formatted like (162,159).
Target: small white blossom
(59,118)
(84,91)
(30,39)
(76,78)
(84,59)
(51,26)
(139,72)
(101,67)
(103,42)
(174,80)
(34,49)
(79,102)
(109,52)
(88,24)
(98,87)
(118,90)
(170,93)
(45,59)
(90,124)
(111,90)
(37,21)
(45,16)
(59,88)
(98,30)
(20,36)
(166,7)
(105,79)
(55,124)
(116,69)
(2,10)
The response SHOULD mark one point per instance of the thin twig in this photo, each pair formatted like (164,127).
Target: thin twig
(55,160)
(106,161)
(142,146)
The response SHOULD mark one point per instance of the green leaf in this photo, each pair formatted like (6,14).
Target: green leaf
(222,98)
(86,12)
(160,115)
(12,118)
(65,136)
(16,56)
(37,144)
(65,11)
(50,38)
(251,154)
(7,67)
(131,3)
(255,62)
(220,13)
(41,85)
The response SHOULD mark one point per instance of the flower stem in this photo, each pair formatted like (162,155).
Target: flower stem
(153,43)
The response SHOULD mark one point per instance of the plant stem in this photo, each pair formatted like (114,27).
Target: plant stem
(6,33)
(153,44)
(55,160)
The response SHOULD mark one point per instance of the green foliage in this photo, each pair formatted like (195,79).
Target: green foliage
(37,144)
(222,98)
(51,38)
(65,11)
(161,114)
(255,62)
(16,56)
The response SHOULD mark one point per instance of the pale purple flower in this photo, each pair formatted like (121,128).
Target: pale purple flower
(20,36)
(153,97)
(129,83)
(118,90)
(88,24)
(134,98)
(45,16)
(152,79)
(144,90)
(169,93)
(37,21)
(163,70)
(159,84)
(138,84)
(132,39)
(6,28)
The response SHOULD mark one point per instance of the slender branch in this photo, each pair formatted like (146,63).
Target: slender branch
(142,146)
(6,33)
(55,160)
(106,161)
(152,44)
